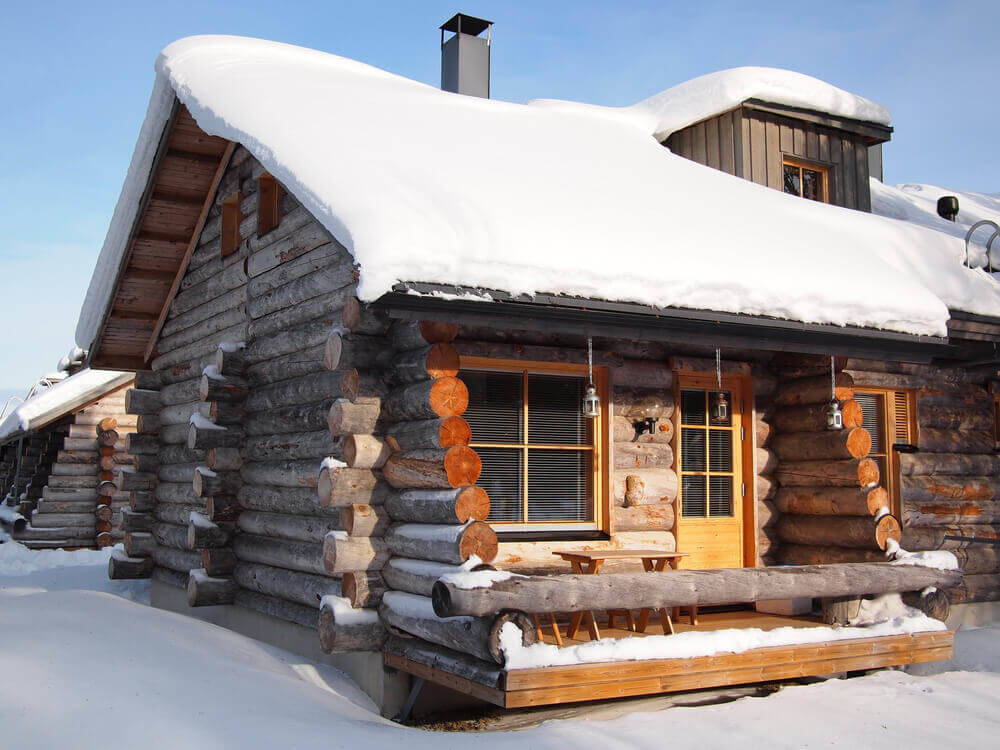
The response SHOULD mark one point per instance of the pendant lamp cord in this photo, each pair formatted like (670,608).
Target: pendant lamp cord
(718,368)
(833,382)
(590,360)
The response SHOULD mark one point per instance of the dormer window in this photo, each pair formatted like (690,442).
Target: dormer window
(806,180)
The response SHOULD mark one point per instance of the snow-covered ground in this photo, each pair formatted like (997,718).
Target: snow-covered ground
(84,663)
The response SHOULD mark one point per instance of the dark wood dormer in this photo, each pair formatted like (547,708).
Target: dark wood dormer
(823,156)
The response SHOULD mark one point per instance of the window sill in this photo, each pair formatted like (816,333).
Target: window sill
(589,535)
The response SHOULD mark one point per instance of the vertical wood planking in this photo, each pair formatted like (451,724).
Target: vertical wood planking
(824,147)
(864,200)
(837,172)
(685,143)
(758,151)
(850,172)
(799,140)
(774,165)
(812,144)
(785,138)
(743,158)
(698,143)
(727,143)
(712,157)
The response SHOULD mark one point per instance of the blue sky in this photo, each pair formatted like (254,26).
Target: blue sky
(76,77)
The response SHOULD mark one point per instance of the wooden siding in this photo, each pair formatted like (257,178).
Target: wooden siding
(751,142)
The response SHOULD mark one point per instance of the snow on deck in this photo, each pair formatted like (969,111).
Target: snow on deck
(62,398)
(423,185)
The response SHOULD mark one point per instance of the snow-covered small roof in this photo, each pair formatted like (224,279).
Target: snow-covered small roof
(422,185)
(62,398)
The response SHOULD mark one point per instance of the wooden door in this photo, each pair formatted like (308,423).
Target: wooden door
(709,464)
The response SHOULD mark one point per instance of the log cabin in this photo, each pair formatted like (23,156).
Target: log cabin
(63,461)
(448,388)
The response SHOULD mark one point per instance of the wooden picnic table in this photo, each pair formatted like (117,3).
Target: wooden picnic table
(589,562)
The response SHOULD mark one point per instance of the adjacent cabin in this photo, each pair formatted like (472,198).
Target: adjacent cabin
(63,461)
(442,424)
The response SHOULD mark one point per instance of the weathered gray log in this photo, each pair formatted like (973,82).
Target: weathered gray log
(950,512)
(351,631)
(573,593)
(281,473)
(299,418)
(132,521)
(202,533)
(220,562)
(851,473)
(175,492)
(353,417)
(129,481)
(72,470)
(928,464)
(147,380)
(447,506)
(429,434)
(343,554)
(952,418)
(304,588)
(230,360)
(358,317)
(478,636)
(955,441)
(448,544)
(200,438)
(831,501)
(137,444)
(848,443)
(122,567)
(230,389)
(444,659)
(84,482)
(180,454)
(339,486)
(284,342)
(976,588)
(292,365)
(328,279)
(183,392)
(224,459)
(364,520)
(281,553)
(318,386)
(425,363)
(862,532)
(814,390)
(65,506)
(802,554)
(139,543)
(63,520)
(233,276)
(356,384)
(139,401)
(323,309)
(363,588)
(234,299)
(812,417)
(344,351)
(281,526)
(933,602)
(952,538)
(296,445)
(405,335)
(205,591)
(949,487)
(206,482)
(294,501)
(223,509)
(443,397)
(175,558)
(659,516)
(142,502)
(419,576)
(457,466)
(365,452)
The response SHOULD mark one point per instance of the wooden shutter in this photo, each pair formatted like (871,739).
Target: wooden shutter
(269,194)
(231,219)
(901,422)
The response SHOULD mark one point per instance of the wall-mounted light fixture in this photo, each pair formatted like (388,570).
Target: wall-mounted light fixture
(645,425)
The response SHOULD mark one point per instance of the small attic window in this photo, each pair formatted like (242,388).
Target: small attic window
(806,180)
(270,194)
(231,218)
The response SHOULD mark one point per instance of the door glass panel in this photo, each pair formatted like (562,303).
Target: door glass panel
(693,450)
(720,496)
(720,450)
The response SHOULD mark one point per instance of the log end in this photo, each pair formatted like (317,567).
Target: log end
(333,350)
(529,633)
(462,465)
(932,602)
(449,397)
(852,414)
(878,498)
(441,599)
(868,473)
(442,361)
(436,332)
(479,539)
(473,504)
(859,442)
(327,629)
(886,528)
(454,431)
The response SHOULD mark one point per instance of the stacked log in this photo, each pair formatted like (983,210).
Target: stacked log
(78,504)
(832,508)
(765,464)
(644,484)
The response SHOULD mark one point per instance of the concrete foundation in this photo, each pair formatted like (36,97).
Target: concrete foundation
(973,615)
(388,688)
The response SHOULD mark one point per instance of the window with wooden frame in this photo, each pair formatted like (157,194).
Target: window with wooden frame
(806,180)
(269,196)
(231,219)
(542,459)
(889,417)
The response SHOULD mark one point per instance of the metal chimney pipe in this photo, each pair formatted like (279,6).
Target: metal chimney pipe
(465,56)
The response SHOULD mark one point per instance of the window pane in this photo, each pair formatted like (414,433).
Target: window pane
(502,479)
(496,409)
(693,500)
(692,450)
(554,410)
(811,184)
(693,407)
(720,496)
(720,450)
(559,485)
(871,410)
(792,180)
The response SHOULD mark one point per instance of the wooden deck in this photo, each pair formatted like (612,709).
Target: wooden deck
(518,688)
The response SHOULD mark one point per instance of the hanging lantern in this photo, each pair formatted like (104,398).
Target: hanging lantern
(834,419)
(719,411)
(591,401)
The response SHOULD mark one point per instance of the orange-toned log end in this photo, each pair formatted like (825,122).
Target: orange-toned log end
(859,442)
(449,397)
(462,465)
(108,423)
(106,476)
(106,450)
(479,539)
(103,512)
(454,431)
(442,361)
(868,473)
(436,332)
(886,528)
(851,411)
(878,498)
(473,504)
(104,539)
(103,527)
(107,463)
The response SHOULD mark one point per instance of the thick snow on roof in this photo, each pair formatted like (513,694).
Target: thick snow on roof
(423,185)
(715,93)
(62,398)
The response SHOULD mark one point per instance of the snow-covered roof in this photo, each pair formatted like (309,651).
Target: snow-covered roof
(423,185)
(62,398)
